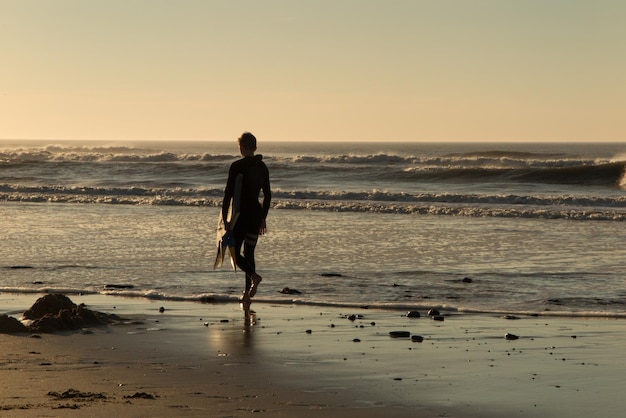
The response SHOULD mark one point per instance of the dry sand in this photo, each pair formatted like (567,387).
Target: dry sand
(199,360)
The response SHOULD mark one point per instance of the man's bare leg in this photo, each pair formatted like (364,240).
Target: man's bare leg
(256,279)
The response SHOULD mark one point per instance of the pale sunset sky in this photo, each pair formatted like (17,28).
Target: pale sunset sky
(341,70)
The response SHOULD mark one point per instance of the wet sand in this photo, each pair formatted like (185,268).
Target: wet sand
(302,361)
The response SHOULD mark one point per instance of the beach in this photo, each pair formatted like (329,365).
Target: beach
(195,359)
(499,238)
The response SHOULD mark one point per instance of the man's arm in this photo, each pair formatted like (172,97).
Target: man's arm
(267,194)
(267,199)
(228,195)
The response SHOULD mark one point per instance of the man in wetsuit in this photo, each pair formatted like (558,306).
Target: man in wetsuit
(252,215)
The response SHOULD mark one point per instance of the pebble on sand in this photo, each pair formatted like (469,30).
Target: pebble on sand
(510,337)
(289,291)
(413,314)
(399,334)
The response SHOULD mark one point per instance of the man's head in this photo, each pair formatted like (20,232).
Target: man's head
(247,142)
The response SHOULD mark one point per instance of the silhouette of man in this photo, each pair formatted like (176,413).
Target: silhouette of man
(252,216)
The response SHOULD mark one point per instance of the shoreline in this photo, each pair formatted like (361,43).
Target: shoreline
(299,360)
(15,300)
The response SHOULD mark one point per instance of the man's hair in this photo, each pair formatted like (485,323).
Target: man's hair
(247,141)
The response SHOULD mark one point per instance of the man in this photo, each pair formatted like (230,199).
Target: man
(251,221)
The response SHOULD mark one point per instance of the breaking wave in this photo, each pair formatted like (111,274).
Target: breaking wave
(496,205)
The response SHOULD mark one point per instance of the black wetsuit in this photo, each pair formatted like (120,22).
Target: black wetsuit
(252,214)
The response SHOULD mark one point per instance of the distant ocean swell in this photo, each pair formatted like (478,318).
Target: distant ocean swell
(609,174)
(510,206)
(131,154)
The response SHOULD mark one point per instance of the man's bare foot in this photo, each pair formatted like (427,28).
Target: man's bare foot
(256,279)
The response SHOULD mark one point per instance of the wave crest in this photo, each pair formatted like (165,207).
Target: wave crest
(376,201)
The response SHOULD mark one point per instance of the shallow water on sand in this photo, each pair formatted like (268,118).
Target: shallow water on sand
(344,258)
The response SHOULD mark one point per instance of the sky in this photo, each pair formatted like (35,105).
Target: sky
(305,70)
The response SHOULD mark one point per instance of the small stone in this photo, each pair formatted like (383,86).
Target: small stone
(399,334)
(161,309)
(289,291)
(413,314)
(356,340)
(438,318)
(467,280)
(511,337)
(417,338)
(433,312)
(308,331)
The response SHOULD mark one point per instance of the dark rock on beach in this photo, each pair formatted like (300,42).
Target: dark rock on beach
(511,337)
(49,304)
(289,291)
(433,312)
(118,286)
(56,312)
(331,275)
(413,314)
(10,325)
(399,334)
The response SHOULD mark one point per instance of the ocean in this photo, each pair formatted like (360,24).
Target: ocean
(500,228)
